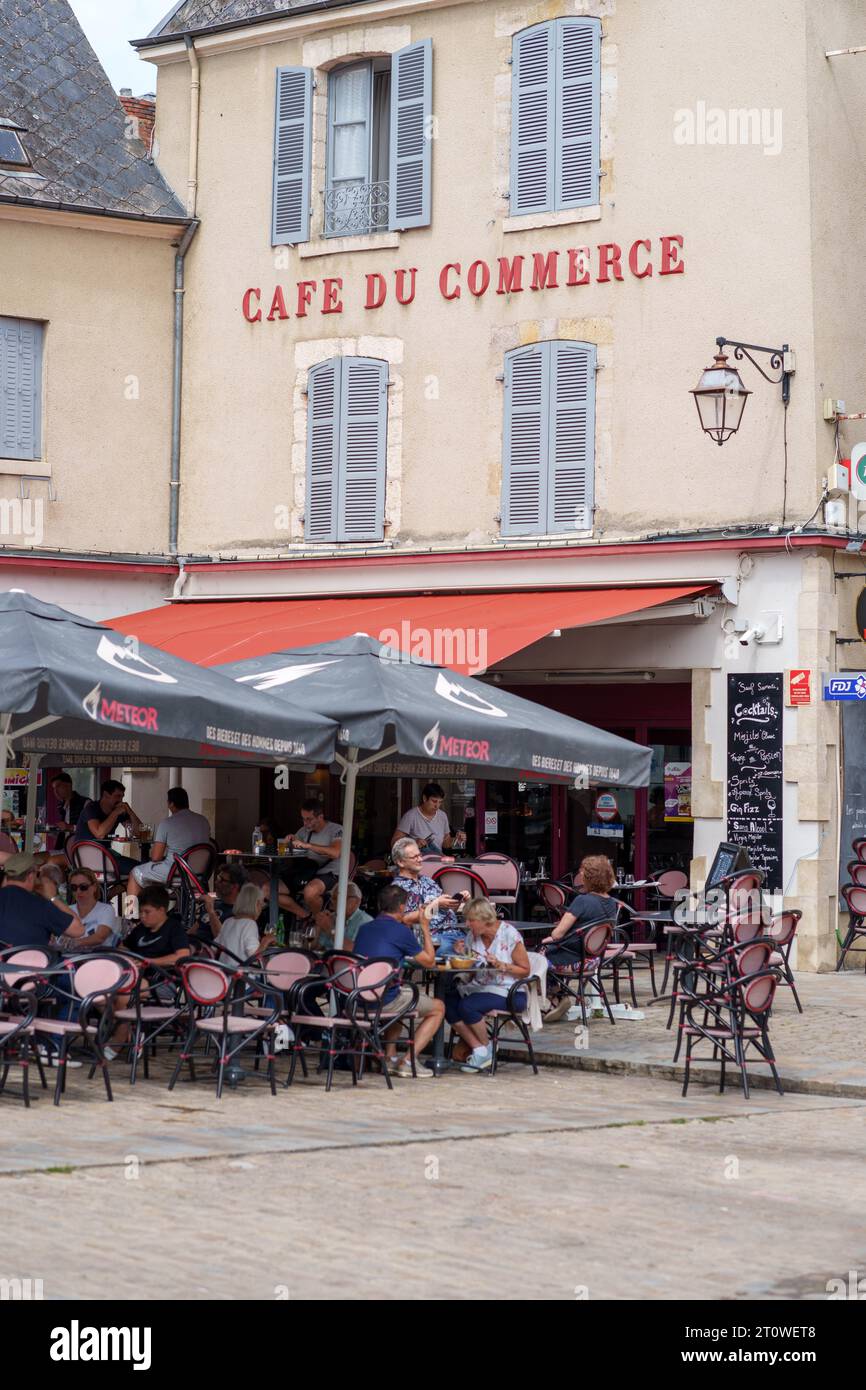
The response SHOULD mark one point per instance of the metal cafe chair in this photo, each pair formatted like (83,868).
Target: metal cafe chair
(855,901)
(782,930)
(453,880)
(857,873)
(586,948)
(95,980)
(149,1014)
(502,876)
(90,854)
(188,878)
(734,1023)
(554,899)
(215,997)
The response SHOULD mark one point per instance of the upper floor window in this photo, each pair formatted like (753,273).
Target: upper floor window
(347,435)
(548,438)
(555,116)
(20,389)
(379,140)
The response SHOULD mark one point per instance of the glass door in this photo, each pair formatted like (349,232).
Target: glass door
(670,825)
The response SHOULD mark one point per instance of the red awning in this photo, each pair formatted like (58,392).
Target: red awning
(429,626)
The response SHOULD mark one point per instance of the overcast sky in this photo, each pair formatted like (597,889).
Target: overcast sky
(109,25)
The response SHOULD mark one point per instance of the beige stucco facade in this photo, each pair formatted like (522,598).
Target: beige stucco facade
(728,154)
(103,289)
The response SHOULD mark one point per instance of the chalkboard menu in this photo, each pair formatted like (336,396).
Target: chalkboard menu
(755,706)
(853,783)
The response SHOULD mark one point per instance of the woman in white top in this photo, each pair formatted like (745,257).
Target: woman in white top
(240,933)
(500,945)
(99,920)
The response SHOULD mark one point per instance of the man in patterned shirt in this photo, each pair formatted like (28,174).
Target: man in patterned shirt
(445,929)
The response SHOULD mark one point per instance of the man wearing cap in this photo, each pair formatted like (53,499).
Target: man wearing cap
(27,918)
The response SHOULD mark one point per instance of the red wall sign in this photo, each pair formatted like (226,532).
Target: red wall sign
(548,270)
(799,687)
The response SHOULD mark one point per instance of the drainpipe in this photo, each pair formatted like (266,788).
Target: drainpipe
(179,291)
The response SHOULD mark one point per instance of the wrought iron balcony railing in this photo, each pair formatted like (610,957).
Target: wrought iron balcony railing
(356,209)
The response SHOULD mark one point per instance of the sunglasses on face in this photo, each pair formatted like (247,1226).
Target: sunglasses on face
(80,887)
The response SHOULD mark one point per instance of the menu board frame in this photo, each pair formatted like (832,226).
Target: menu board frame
(755,781)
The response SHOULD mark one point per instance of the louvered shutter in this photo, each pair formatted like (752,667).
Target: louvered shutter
(20,389)
(323,432)
(578,79)
(363,439)
(411,136)
(571,445)
(533,120)
(524,463)
(293,138)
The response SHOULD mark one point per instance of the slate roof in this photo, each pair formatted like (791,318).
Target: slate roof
(52,83)
(192,16)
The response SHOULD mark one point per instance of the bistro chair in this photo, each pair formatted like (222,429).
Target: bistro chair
(782,930)
(216,997)
(188,879)
(356,1018)
(859,848)
(149,1013)
(18,1003)
(711,972)
(586,948)
(453,880)
(734,1023)
(95,980)
(502,876)
(90,854)
(554,898)
(857,873)
(497,1019)
(855,902)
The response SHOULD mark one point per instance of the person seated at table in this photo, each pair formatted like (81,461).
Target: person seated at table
(388,936)
(160,938)
(181,829)
(317,849)
(99,919)
(229,879)
(501,947)
(70,804)
(323,939)
(425,892)
(427,823)
(28,917)
(238,937)
(100,819)
(593,905)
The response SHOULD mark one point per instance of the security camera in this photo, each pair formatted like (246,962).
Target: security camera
(751,634)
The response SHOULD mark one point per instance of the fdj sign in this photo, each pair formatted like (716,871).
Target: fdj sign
(848,687)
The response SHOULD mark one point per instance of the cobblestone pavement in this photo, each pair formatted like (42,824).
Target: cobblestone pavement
(564,1185)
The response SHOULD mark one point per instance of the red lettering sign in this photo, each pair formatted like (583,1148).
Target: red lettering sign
(577,263)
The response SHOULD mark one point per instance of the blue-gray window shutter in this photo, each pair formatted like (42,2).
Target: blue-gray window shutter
(411,136)
(323,436)
(571,445)
(578,105)
(20,389)
(524,460)
(293,145)
(533,119)
(363,441)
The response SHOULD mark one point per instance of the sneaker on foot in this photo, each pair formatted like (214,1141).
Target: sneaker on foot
(481,1060)
(109,1054)
(405,1070)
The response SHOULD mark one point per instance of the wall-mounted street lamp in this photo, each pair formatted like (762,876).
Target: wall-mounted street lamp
(720,395)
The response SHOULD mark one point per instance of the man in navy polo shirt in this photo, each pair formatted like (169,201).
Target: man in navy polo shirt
(388,936)
(27,918)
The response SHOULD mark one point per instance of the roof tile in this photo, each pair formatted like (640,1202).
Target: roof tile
(52,83)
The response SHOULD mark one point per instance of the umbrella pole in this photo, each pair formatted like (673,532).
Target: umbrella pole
(32,786)
(5,722)
(346,846)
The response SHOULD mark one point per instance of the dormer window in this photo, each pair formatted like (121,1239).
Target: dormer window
(12,153)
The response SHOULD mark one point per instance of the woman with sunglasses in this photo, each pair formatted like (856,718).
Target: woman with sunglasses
(100,926)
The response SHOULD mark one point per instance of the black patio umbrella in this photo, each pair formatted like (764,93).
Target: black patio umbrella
(403,717)
(71,687)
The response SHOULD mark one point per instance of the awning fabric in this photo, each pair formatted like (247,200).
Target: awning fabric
(441,628)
